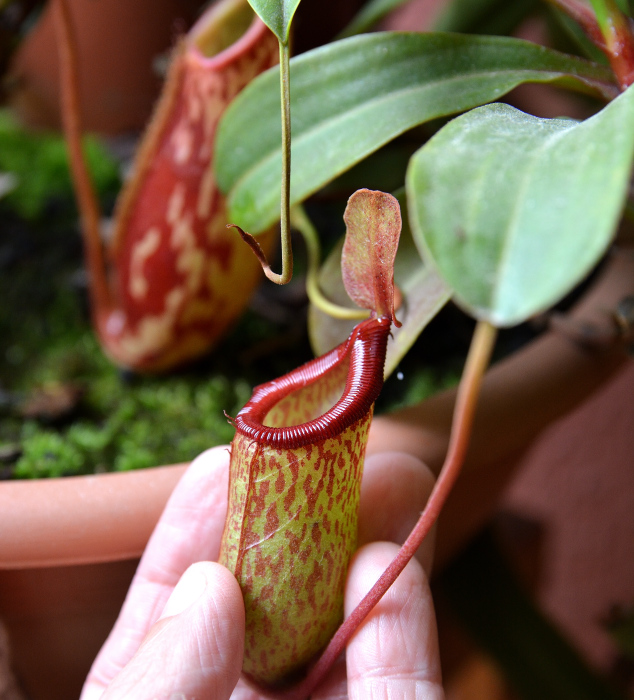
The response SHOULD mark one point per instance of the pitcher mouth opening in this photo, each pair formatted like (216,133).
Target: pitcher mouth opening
(363,354)
(224,31)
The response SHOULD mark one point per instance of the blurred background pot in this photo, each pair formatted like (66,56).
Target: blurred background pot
(120,46)
(68,550)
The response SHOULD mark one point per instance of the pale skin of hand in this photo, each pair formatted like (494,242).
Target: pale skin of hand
(180,633)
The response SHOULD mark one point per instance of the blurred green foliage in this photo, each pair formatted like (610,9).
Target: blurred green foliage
(38,166)
(156,422)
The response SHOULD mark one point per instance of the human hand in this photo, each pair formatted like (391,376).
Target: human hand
(181,629)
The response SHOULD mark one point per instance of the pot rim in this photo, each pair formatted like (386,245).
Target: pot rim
(82,519)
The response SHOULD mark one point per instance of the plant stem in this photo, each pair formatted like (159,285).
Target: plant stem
(285,207)
(285,196)
(583,15)
(304,225)
(90,212)
(619,40)
(464,412)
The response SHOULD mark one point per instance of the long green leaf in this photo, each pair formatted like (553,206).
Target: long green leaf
(483,16)
(277,15)
(515,210)
(371,13)
(352,96)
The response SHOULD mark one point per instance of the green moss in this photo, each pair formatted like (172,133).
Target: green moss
(47,453)
(38,166)
(155,421)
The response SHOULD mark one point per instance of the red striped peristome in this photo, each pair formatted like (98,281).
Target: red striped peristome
(364,350)
(295,476)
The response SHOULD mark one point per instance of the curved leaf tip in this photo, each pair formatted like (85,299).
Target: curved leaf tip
(373,228)
(277,15)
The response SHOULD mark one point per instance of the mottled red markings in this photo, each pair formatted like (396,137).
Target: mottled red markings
(309,523)
(293,542)
(304,554)
(259,566)
(330,484)
(267,593)
(330,566)
(258,498)
(272,521)
(280,482)
(289,499)
(310,494)
(180,149)
(296,583)
(287,626)
(316,535)
(316,575)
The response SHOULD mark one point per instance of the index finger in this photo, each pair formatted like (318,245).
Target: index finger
(188,531)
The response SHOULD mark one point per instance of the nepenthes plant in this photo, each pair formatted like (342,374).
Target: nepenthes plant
(297,462)
(509,212)
(172,278)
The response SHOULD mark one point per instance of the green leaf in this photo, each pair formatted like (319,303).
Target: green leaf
(277,15)
(351,97)
(483,16)
(423,293)
(371,13)
(515,210)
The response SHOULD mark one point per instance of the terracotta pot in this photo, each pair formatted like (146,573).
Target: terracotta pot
(68,551)
(118,44)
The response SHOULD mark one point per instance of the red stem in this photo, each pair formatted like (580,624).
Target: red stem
(584,16)
(477,362)
(89,209)
(620,51)
(617,43)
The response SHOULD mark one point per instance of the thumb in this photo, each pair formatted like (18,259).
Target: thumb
(195,649)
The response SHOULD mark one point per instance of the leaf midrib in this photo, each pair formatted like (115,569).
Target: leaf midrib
(395,95)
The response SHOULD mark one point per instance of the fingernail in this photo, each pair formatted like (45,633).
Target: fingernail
(188,590)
